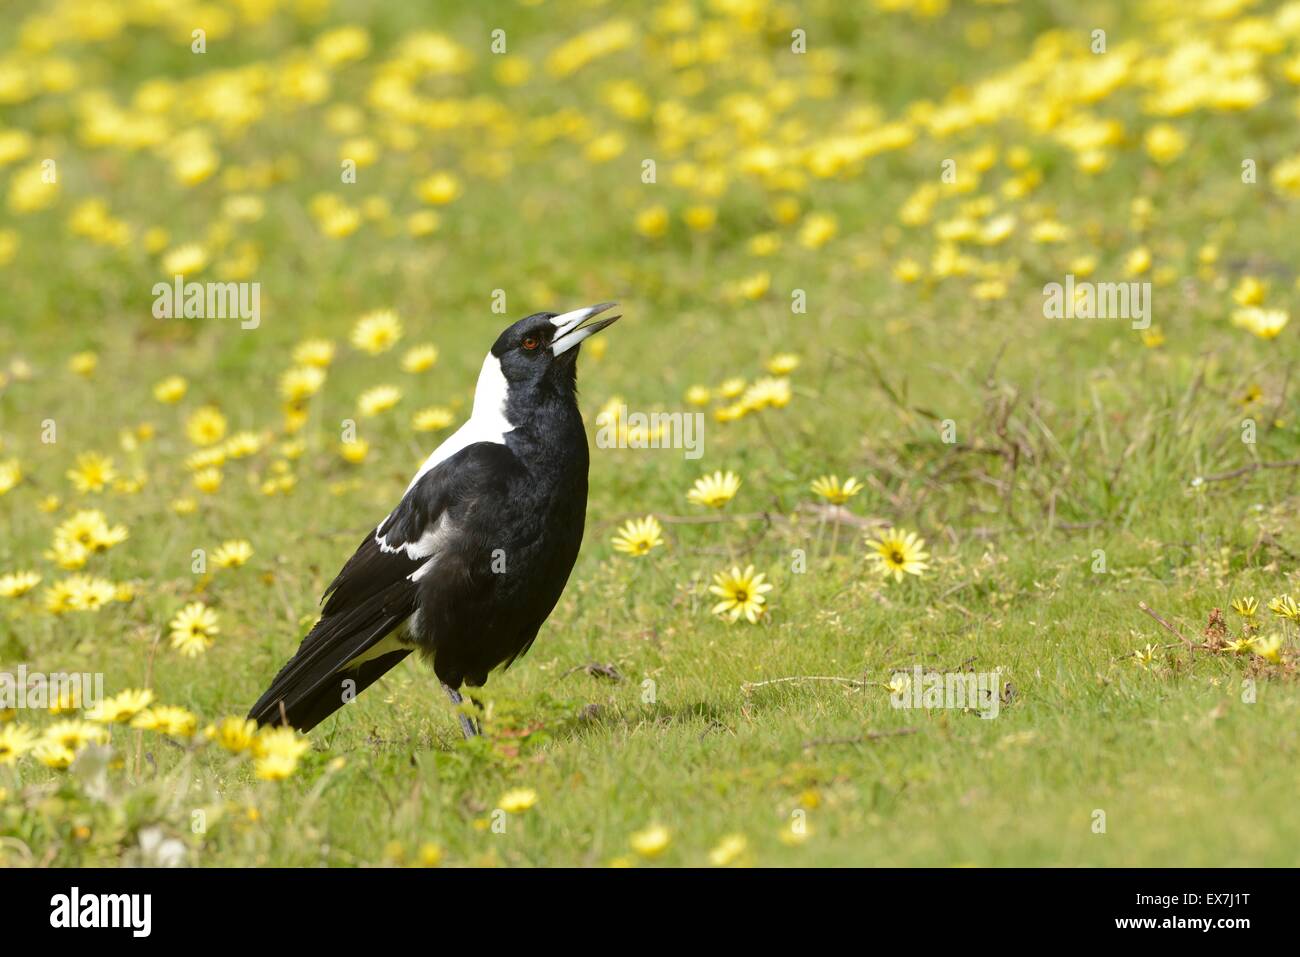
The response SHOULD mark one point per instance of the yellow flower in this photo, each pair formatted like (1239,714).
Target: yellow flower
(339,221)
(68,554)
(908,270)
(518,800)
(782,364)
(430,855)
(342,45)
(638,536)
(425,222)
(83,364)
(1270,648)
(433,419)
(93,471)
(276,752)
(30,190)
(1249,291)
(185,260)
(732,387)
(232,554)
(377,332)
(317,353)
(756,286)
(193,629)
(208,480)
(1143,657)
(604,148)
(512,70)
(817,230)
(15,741)
(1164,143)
(716,490)
(173,721)
(16,584)
(1263,323)
(1284,606)
(829,488)
(419,358)
(354,451)
(742,594)
(53,755)
(171,389)
(700,219)
(768,392)
(301,382)
(79,593)
(122,707)
(899,552)
(379,399)
(730,849)
(652,841)
(652,222)
(206,426)
(1239,646)
(698,395)
(235,735)
(1245,607)
(1137,261)
(439,189)
(75,734)
(11,474)
(85,529)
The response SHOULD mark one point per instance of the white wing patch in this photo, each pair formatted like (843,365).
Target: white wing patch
(386,646)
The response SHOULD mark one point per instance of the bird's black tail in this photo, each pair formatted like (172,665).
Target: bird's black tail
(340,657)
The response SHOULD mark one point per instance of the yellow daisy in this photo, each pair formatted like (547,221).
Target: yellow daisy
(829,488)
(377,332)
(379,399)
(232,554)
(433,419)
(193,629)
(93,471)
(899,552)
(716,490)
(420,358)
(742,594)
(638,536)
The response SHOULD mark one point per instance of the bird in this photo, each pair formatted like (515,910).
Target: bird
(472,560)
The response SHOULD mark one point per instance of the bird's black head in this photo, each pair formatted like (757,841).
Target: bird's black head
(542,348)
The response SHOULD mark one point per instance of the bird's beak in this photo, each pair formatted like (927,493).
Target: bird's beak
(567,331)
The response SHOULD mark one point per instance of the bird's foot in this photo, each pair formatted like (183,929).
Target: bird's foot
(469,727)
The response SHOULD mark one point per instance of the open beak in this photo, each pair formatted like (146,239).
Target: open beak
(567,331)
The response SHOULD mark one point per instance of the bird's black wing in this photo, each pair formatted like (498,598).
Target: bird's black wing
(376,590)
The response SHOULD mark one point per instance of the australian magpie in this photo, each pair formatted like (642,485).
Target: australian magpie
(474,557)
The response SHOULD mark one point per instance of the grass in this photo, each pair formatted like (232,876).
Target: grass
(1066,499)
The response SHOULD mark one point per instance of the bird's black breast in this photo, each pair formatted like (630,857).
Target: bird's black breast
(510,542)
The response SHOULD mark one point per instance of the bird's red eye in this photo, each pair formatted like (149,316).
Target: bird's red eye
(530,343)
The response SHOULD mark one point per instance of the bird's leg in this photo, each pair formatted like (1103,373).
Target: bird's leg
(467,727)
